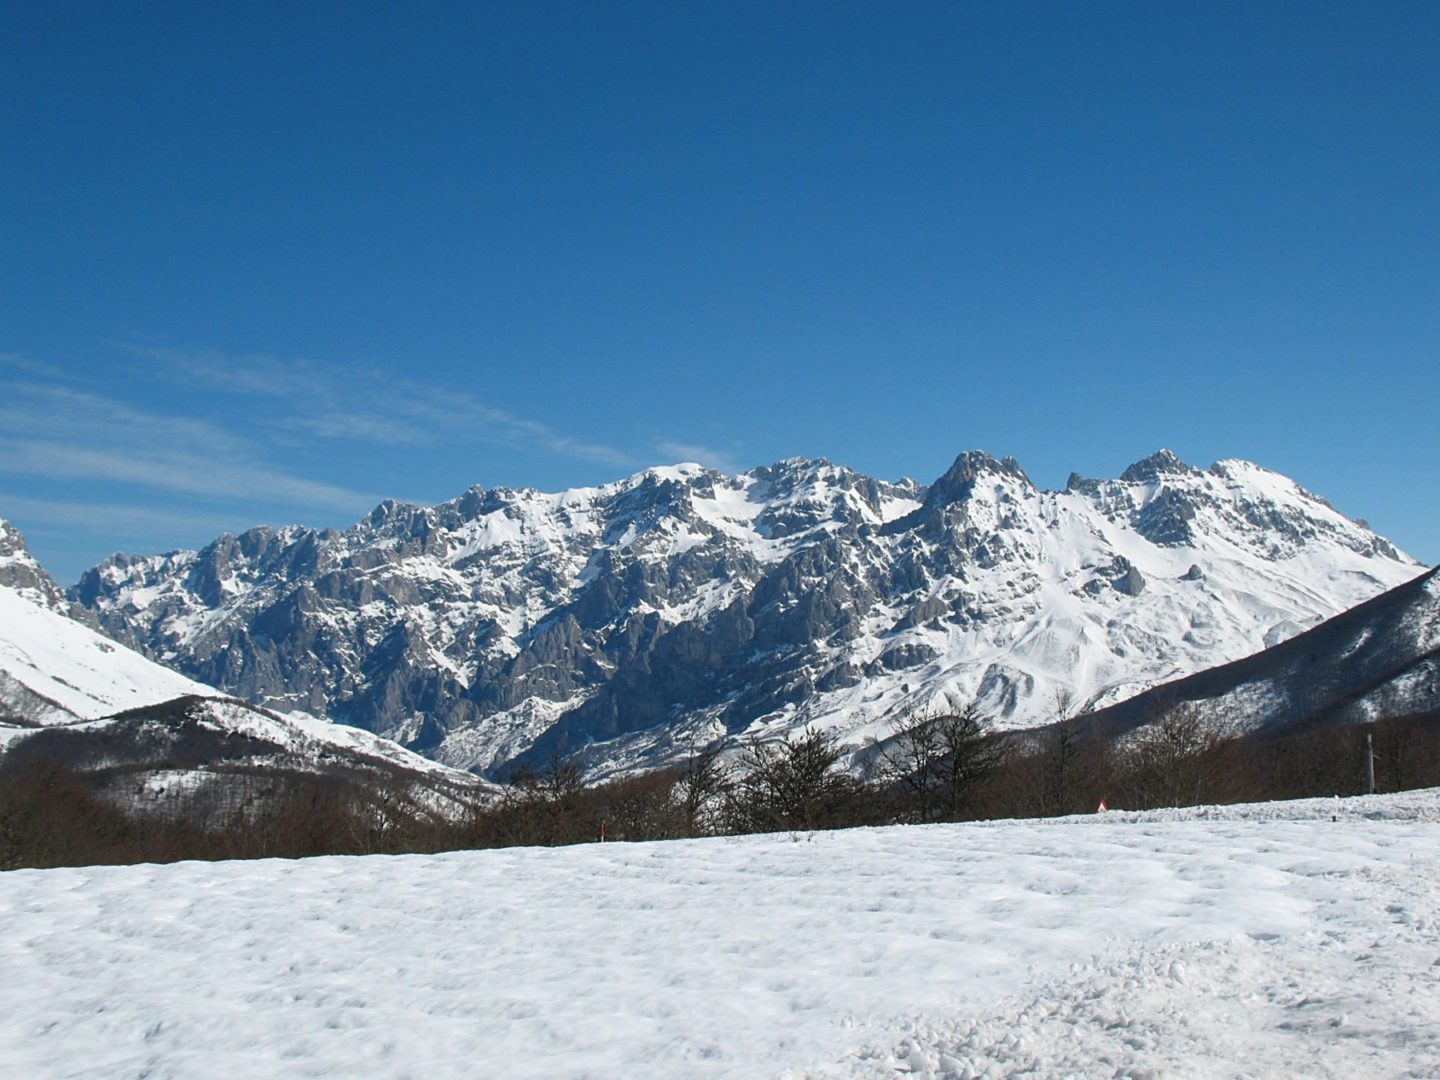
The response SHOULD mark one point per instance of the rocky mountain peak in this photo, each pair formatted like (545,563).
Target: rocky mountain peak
(20,571)
(389,511)
(973,472)
(469,505)
(1161,464)
(970,469)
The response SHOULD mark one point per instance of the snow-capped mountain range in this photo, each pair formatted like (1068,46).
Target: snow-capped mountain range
(631,620)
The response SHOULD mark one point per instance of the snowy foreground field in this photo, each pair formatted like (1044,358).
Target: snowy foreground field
(1263,941)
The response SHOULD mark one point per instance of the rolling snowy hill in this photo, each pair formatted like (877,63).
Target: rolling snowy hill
(1271,941)
(54,670)
(629,621)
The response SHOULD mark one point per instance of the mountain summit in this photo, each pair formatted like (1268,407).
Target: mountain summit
(681,604)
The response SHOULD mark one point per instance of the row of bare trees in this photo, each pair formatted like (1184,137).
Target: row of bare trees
(52,814)
(937,766)
(1186,753)
(933,763)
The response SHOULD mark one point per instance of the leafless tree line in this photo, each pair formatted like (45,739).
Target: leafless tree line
(947,765)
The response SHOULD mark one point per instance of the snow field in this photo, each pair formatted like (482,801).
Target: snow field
(1172,944)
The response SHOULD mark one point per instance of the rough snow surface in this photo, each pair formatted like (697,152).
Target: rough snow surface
(1175,945)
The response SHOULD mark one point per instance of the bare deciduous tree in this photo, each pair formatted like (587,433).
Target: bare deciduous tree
(1164,762)
(700,789)
(936,760)
(789,784)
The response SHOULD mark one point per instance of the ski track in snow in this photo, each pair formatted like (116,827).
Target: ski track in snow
(1264,942)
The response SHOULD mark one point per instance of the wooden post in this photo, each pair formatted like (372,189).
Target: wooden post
(1369,764)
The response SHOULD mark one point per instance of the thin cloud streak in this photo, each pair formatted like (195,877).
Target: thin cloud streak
(60,433)
(254,374)
(20,362)
(382,430)
(359,404)
(114,519)
(49,411)
(192,474)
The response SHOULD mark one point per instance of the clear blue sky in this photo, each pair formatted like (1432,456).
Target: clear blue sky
(273,262)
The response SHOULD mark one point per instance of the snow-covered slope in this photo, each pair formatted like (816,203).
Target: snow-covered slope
(52,669)
(629,620)
(1167,945)
(1376,660)
(57,673)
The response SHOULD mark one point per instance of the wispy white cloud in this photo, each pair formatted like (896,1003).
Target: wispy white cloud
(702,455)
(57,432)
(121,520)
(19,362)
(177,471)
(254,373)
(356,427)
(54,410)
(362,404)
(90,466)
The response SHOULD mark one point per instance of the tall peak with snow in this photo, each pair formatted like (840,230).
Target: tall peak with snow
(1158,465)
(21,572)
(971,468)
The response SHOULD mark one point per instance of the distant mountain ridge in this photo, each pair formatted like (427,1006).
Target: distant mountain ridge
(628,621)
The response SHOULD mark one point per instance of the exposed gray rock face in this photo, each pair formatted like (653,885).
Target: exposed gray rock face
(626,620)
(1132,583)
(20,571)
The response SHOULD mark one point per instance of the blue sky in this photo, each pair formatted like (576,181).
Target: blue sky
(272,263)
